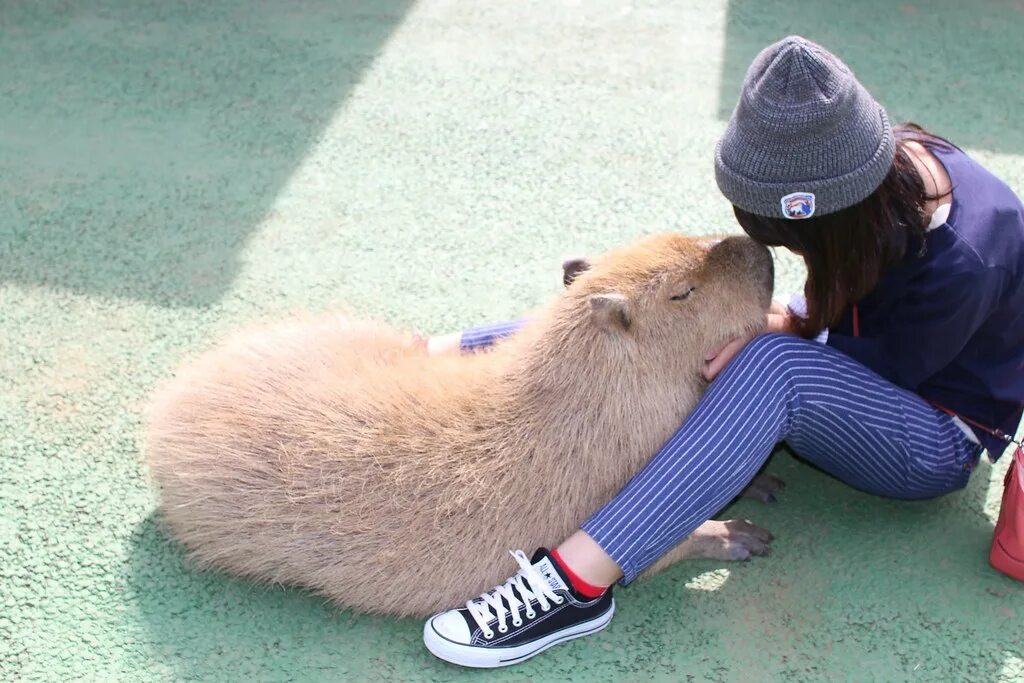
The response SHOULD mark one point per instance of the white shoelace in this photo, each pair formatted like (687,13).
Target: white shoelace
(528,582)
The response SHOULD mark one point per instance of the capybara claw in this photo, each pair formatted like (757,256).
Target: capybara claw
(733,540)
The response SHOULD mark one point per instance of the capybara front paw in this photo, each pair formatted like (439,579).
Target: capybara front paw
(763,488)
(733,539)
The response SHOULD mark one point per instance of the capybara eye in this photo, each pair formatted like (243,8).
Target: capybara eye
(684,295)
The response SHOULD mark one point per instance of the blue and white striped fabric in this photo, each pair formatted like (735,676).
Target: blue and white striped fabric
(475,338)
(831,410)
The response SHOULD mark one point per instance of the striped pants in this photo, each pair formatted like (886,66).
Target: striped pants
(831,410)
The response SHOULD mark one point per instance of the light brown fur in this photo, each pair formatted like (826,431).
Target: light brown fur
(336,456)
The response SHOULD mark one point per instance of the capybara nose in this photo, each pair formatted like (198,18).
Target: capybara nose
(737,247)
(749,256)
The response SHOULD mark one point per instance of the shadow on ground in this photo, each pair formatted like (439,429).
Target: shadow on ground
(198,625)
(141,143)
(857,588)
(832,582)
(943,79)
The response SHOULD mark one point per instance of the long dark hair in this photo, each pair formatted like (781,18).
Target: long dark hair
(848,251)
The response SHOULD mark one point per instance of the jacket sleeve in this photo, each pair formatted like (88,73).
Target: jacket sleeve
(934,321)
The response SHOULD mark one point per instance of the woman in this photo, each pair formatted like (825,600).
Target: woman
(914,319)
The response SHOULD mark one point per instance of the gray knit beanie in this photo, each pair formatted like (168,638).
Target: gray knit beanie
(805,139)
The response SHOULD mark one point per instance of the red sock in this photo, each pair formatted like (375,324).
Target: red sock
(587,590)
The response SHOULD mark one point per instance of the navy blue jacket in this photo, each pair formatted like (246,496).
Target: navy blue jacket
(949,324)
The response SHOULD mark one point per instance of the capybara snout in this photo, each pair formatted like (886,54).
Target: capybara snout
(336,455)
(747,260)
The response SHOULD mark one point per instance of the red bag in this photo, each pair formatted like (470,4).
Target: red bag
(1007,553)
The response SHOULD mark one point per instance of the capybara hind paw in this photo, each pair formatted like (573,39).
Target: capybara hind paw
(734,540)
(763,488)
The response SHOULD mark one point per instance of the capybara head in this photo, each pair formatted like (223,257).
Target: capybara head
(667,300)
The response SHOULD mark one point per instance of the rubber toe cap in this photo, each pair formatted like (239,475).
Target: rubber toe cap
(452,626)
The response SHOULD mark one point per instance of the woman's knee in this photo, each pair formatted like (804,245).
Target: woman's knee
(779,352)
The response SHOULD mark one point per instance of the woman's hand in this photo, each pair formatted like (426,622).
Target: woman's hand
(439,346)
(717,359)
(779,309)
(779,319)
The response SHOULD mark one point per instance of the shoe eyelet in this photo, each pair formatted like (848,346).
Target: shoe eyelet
(488,635)
(517,624)
(558,601)
(545,608)
(503,629)
(531,615)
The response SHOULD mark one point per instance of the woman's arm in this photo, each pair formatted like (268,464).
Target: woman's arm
(936,320)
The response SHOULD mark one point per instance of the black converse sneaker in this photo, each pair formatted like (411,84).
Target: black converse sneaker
(532,611)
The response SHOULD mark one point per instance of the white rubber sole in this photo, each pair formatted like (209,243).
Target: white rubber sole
(490,658)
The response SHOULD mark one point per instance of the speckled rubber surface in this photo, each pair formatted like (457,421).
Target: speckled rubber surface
(168,170)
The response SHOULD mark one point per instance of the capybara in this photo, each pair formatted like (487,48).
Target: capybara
(341,457)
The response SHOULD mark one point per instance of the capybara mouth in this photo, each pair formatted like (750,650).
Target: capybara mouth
(748,332)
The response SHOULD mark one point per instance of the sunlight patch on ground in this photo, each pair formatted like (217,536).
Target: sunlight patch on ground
(1013,667)
(709,581)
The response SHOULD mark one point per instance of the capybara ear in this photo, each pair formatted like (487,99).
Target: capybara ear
(573,267)
(610,311)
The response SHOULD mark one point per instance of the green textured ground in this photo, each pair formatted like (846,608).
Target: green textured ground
(170,169)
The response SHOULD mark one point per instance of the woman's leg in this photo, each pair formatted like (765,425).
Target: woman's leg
(833,411)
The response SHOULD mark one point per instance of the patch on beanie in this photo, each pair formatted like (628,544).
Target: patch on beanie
(798,205)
